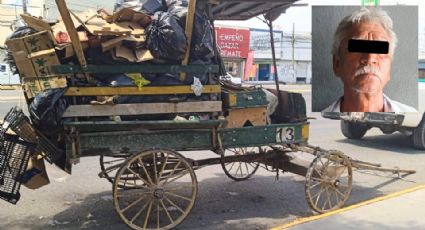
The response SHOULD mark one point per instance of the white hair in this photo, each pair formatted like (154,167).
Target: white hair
(364,15)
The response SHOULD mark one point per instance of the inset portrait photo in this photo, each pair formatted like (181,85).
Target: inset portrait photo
(364,59)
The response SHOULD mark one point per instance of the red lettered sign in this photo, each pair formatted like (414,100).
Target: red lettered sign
(233,42)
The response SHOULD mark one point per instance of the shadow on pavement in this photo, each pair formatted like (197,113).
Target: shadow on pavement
(221,204)
(396,142)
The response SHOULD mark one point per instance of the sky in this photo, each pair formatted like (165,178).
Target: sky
(301,15)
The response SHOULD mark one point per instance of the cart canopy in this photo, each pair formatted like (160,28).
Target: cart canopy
(246,9)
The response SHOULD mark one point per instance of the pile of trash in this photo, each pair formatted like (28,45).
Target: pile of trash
(148,32)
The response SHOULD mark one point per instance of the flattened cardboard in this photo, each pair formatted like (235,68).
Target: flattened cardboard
(134,40)
(35,23)
(130,41)
(122,52)
(78,19)
(108,45)
(36,85)
(40,179)
(143,55)
(105,15)
(132,55)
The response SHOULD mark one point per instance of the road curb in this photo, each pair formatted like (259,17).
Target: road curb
(303,220)
(9,87)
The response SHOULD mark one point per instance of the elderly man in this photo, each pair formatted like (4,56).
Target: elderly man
(364,70)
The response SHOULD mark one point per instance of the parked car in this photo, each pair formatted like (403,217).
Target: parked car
(355,125)
(6,75)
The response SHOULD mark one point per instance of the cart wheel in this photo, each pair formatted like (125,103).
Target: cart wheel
(163,193)
(109,165)
(239,171)
(328,181)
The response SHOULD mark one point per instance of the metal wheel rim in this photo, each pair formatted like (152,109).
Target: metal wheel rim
(242,170)
(328,182)
(105,164)
(157,205)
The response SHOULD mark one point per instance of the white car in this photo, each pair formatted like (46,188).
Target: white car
(355,125)
(7,77)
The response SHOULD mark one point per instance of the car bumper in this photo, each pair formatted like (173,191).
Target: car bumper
(368,118)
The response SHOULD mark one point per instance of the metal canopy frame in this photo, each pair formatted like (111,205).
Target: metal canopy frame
(245,9)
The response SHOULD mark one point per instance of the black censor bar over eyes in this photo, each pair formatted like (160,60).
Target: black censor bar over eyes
(368,46)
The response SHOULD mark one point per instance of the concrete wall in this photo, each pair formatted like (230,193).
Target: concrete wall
(286,71)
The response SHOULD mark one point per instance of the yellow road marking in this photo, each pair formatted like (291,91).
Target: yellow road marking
(303,220)
(9,98)
(9,87)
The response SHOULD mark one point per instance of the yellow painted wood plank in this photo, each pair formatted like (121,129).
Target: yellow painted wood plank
(146,90)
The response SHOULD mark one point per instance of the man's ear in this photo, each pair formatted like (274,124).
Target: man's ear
(336,64)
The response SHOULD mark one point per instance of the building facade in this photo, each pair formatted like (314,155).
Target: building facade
(251,58)
(233,43)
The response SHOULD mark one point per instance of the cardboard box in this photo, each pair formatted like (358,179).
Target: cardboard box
(237,118)
(43,61)
(34,54)
(32,43)
(36,85)
(35,176)
(244,99)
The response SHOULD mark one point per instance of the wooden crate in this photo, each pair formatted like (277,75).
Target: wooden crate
(36,85)
(253,116)
(34,54)
(244,99)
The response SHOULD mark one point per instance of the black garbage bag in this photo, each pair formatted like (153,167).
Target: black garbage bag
(203,36)
(46,111)
(202,46)
(204,78)
(166,38)
(145,6)
(178,8)
(95,56)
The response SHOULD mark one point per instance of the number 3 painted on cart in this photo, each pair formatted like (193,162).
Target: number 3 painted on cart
(285,134)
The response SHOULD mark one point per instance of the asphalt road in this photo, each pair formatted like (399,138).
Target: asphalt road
(84,201)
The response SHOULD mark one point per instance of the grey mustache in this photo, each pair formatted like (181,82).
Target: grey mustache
(367,70)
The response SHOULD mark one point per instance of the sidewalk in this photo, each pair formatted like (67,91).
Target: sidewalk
(401,210)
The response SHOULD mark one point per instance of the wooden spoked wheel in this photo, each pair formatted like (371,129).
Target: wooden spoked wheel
(109,165)
(163,193)
(328,181)
(239,171)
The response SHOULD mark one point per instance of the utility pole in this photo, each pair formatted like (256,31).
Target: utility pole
(24,6)
(44,14)
(293,51)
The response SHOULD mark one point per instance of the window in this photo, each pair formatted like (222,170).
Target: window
(2,68)
(232,68)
